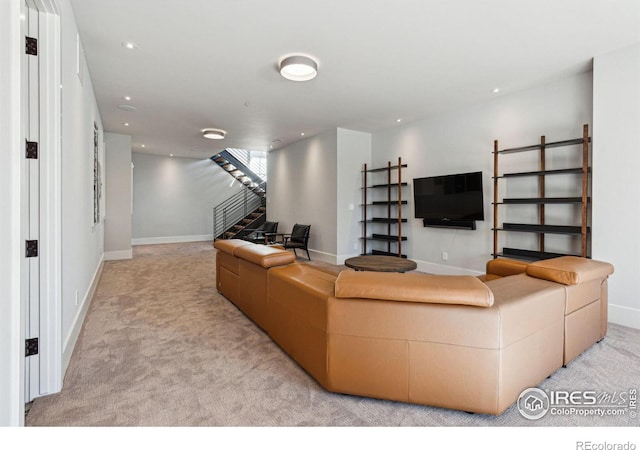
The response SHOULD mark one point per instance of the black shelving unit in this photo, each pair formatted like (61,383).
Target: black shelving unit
(580,230)
(385,224)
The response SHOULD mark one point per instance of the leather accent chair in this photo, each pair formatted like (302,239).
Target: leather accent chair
(299,238)
(261,234)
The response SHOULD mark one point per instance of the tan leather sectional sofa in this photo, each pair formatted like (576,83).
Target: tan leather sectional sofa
(460,342)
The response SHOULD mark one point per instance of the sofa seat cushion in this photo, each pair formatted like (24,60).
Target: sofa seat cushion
(414,287)
(263,255)
(229,245)
(569,270)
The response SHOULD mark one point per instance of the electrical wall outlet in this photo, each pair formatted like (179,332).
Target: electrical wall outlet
(445,256)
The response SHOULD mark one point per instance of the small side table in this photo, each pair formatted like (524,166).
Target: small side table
(380,263)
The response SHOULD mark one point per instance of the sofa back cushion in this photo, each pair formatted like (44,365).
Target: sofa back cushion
(414,287)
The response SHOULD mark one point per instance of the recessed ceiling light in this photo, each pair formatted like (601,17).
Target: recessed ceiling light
(301,134)
(126,124)
(170,154)
(495,90)
(298,68)
(130,45)
(212,133)
(398,120)
(127,98)
(142,146)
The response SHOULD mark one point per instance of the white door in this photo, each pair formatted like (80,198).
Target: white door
(31,127)
(41,196)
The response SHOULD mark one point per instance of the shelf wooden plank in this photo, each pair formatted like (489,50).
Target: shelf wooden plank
(384,169)
(529,148)
(540,201)
(384,237)
(383,220)
(386,185)
(576,170)
(552,229)
(392,202)
(529,255)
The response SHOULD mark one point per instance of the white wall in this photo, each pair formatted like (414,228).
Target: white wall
(616,167)
(11,329)
(173,198)
(118,197)
(353,151)
(302,189)
(82,241)
(462,141)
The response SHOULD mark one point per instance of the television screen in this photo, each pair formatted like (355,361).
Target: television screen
(449,197)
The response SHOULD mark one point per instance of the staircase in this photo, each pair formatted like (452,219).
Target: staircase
(247,208)
(237,163)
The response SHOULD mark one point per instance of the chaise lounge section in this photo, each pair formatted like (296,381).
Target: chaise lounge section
(460,342)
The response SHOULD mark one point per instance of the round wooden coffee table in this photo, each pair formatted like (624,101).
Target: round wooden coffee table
(380,263)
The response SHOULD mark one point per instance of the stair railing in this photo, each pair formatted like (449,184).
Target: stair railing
(234,209)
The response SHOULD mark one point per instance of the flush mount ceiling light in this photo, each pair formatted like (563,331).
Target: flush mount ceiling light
(212,133)
(129,108)
(298,68)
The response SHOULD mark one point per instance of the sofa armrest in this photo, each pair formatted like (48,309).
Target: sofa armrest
(265,256)
(569,270)
(414,287)
(229,245)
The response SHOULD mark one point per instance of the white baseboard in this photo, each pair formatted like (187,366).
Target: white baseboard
(318,255)
(172,239)
(119,254)
(623,315)
(440,269)
(71,339)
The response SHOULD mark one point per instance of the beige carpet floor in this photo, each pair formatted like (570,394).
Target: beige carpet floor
(160,346)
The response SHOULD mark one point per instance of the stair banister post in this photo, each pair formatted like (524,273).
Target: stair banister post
(224,218)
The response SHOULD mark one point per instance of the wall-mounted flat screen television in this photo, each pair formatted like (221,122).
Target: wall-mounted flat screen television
(445,198)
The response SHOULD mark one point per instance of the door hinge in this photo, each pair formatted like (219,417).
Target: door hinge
(31,45)
(31,249)
(32,150)
(31,347)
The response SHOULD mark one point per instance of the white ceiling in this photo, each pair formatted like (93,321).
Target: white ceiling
(213,63)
